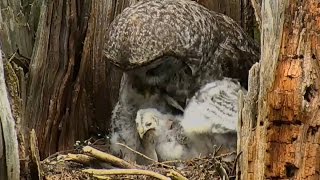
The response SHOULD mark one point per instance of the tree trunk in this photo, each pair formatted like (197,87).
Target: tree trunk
(279,117)
(239,10)
(68,94)
(57,80)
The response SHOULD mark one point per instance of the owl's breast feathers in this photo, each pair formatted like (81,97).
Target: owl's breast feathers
(147,31)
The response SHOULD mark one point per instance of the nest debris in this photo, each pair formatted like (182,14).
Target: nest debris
(91,163)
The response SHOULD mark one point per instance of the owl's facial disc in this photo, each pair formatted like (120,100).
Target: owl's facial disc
(146,121)
(159,71)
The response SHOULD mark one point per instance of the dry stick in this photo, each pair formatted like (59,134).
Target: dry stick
(80,158)
(126,172)
(171,173)
(47,159)
(156,162)
(217,150)
(194,159)
(226,154)
(221,171)
(107,157)
(235,163)
(175,175)
(101,177)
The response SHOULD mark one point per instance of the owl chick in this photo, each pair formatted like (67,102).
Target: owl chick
(162,136)
(213,112)
(209,120)
(131,99)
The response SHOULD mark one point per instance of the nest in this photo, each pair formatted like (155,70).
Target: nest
(92,162)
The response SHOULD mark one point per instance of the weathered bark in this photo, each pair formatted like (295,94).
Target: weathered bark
(279,133)
(69,86)
(66,96)
(3,167)
(239,10)
(8,131)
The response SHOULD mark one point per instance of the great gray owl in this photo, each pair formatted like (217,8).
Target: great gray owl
(172,47)
(209,120)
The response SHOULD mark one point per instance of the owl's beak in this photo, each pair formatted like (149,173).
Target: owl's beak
(142,131)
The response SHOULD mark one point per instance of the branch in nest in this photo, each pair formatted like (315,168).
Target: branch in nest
(150,159)
(175,175)
(126,172)
(80,158)
(101,177)
(107,158)
(221,171)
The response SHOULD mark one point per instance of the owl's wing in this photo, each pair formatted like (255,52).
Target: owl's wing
(213,109)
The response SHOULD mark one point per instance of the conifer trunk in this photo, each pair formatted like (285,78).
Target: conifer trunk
(280,116)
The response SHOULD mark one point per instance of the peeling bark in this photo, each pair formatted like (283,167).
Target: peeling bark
(284,144)
(8,129)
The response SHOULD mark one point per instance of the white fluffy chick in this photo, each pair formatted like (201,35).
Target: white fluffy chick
(211,115)
(162,136)
(214,108)
(210,119)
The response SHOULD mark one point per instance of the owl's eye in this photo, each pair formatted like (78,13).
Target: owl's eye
(148,124)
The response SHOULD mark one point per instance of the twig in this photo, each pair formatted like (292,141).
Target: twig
(221,171)
(217,150)
(235,163)
(155,162)
(126,172)
(175,175)
(226,154)
(172,161)
(56,154)
(101,177)
(107,157)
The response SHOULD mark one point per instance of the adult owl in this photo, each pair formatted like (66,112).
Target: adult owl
(171,47)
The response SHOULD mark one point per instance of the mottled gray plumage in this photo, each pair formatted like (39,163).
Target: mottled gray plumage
(174,47)
(212,45)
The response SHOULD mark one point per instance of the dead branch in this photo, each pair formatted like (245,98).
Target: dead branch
(175,175)
(80,158)
(101,177)
(35,154)
(220,169)
(126,172)
(155,162)
(107,158)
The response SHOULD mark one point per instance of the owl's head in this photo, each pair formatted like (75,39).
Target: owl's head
(151,119)
(160,71)
(147,120)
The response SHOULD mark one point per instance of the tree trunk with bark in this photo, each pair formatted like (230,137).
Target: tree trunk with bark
(280,117)
(57,79)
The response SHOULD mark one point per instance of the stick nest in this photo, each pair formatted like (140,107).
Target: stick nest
(92,162)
